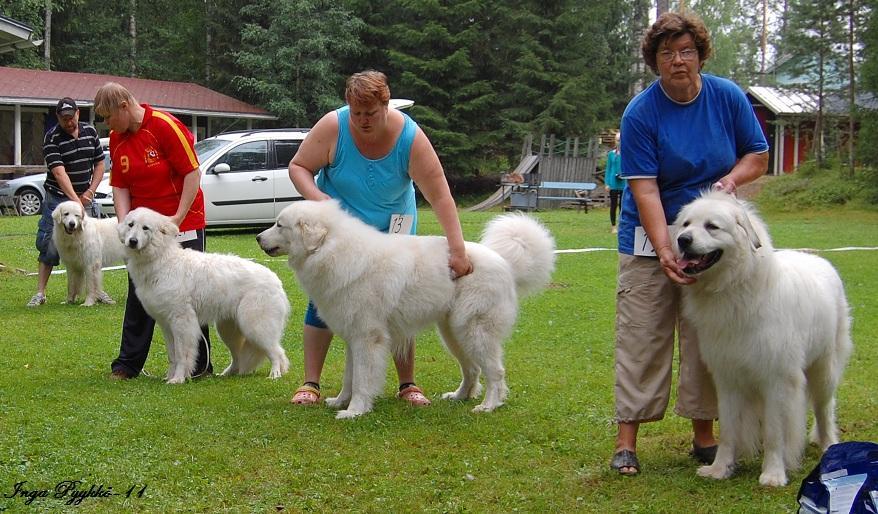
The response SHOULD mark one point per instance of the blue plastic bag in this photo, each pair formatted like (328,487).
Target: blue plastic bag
(845,481)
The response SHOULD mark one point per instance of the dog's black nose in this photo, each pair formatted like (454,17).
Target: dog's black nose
(132,243)
(259,238)
(684,241)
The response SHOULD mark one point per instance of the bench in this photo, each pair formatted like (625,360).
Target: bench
(578,200)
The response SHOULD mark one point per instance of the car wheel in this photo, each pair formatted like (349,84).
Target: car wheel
(29,201)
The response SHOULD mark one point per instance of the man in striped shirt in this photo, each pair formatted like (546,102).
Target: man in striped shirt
(76,166)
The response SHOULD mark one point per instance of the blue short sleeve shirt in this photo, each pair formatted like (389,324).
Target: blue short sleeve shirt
(684,147)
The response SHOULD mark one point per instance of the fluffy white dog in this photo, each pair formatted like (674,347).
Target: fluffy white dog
(85,245)
(184,289)
(773,330)
(377,291)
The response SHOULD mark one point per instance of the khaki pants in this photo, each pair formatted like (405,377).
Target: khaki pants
(647,316)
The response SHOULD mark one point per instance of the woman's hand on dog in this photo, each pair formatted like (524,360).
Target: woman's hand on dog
(460,265)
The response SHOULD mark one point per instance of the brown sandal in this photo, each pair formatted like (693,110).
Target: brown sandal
(306,395)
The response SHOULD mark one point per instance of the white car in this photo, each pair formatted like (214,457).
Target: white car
(27,193)
(244,174)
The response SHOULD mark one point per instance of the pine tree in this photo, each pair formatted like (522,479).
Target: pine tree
(814,39)
(290,55)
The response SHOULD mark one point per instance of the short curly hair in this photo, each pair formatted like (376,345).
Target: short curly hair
(671,25)
(366,87)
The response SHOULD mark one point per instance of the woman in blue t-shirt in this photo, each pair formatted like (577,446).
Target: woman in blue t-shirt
(685,133)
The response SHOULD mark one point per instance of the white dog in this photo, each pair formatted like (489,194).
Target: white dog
(377,291)
(85,245)
(773,330)
(184,289)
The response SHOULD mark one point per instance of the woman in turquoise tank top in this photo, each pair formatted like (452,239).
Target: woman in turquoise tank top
(368,157)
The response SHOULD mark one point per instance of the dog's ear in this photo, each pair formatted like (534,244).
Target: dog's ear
(313,234)
(56,214)
(743,220)
(168,228)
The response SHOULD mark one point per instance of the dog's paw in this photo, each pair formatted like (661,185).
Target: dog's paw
(275,374)
(348,414)
(773,478)
(175,380)
(482,407)
(454,395)
(337,402)
(717,472)
(88,303)
(106,299)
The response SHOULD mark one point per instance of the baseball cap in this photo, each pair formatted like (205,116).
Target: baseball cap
(66,107)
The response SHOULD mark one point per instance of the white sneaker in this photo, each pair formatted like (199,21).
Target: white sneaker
(37,300)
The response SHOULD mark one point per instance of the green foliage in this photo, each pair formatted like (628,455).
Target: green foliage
(31,13)
(814,186)
(735,33)
(485,74)
(237,445)
(290,54)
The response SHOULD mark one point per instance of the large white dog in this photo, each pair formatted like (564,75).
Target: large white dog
(377,291)
(773,330)
(85,245)
(184,289)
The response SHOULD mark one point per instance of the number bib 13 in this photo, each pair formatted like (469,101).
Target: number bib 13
(401,224)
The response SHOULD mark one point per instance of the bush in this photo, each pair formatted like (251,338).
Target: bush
(811,186)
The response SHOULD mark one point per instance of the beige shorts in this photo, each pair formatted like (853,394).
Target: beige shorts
(647,317)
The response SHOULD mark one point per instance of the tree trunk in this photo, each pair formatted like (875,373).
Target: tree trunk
(661,7)
(132,31)
(47,36)
(640,22)
(208,40)
(852,90)
(763,43)
(818,122)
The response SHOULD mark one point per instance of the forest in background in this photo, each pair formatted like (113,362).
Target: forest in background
(483,74)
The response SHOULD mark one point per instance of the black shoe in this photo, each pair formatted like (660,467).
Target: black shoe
(705,454)
(120,375)
(625,459)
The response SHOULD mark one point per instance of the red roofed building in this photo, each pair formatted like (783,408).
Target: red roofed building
(28,99)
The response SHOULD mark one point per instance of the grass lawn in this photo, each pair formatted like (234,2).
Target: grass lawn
(236,445)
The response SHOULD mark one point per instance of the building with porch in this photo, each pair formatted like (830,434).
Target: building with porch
(28,98)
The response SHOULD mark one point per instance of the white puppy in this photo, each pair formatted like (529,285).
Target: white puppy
(184,289)
(377,291)
(85,245)
(773,330)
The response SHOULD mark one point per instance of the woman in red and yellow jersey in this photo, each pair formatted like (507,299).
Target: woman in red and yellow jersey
(154,166)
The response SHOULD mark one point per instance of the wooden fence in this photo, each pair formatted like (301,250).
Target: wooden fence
(566,160)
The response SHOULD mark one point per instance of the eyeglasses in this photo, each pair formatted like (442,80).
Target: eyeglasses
(689,54)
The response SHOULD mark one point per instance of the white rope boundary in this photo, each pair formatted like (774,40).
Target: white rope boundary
(572,250)
(809,250)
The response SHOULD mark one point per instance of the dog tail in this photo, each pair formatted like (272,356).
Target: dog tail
(526,245)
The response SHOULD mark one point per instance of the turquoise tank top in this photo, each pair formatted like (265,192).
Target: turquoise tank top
(371,189)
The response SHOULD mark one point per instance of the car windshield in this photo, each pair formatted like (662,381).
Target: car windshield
(207,147)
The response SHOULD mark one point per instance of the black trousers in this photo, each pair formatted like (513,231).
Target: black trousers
(138,327)
(615,204)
